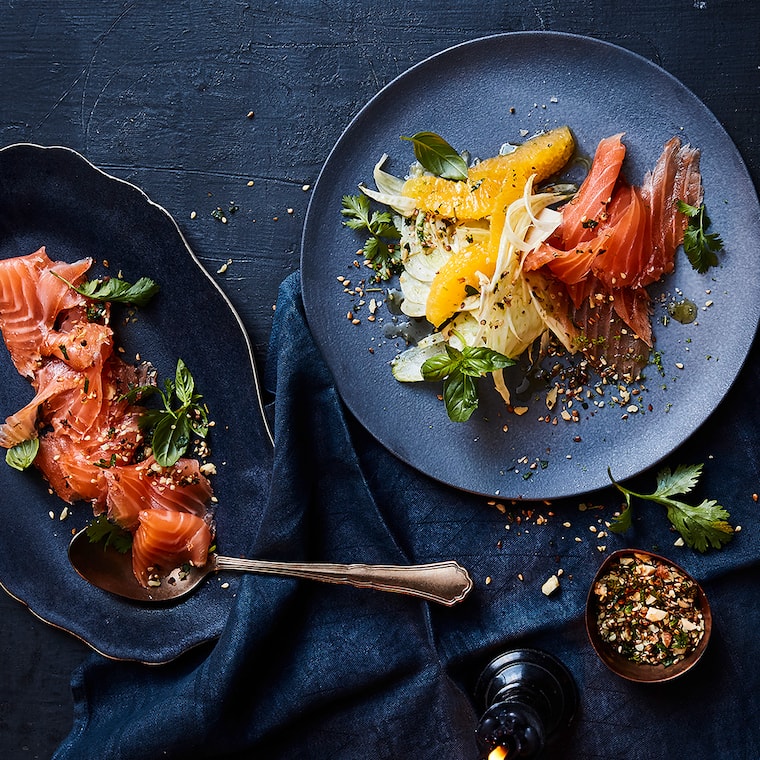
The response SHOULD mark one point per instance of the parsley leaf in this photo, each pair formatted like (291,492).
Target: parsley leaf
(22,454)
(111,534)
(379,249)
(458,370)
(701,247)
(702,526)
(116,290)
(437,156)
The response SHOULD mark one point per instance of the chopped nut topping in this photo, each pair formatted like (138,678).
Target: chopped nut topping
(648,610)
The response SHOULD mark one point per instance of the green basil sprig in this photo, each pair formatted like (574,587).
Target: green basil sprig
(183,415)
(458,369)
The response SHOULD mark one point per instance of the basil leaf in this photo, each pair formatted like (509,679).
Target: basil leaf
(479,360)
(198,419)
(22,454)
(184,385)
(437,367)
(171,437)
(138,393)
(460,396)
(437,156)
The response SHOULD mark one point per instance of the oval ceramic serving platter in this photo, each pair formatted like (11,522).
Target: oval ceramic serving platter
(56,198)
(478,96)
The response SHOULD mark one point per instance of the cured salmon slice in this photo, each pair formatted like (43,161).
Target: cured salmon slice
(676,176)
(78,342)
(607,340)
(615,239)
(622,244)
(165,539)
(71,472)
(31,299)
(582,214)
(55,383)
(147,485)
(75,464)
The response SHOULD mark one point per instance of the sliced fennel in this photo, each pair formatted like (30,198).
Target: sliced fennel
(509,317)
(407,366)
(389,190)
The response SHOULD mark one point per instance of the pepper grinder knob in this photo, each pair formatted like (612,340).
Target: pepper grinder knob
(529,697)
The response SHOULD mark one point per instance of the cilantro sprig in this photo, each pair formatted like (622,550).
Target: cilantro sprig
(116,290)
(459,369)
(183,415)
(702,526)
(437,156)
(701,247)
(379,248)
(101,529)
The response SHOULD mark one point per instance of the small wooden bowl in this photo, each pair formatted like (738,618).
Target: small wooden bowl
(621,665)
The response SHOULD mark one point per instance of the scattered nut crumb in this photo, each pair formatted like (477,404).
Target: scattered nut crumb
(550,586)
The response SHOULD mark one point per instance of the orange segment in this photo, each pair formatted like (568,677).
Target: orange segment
(449,287)
(543,155)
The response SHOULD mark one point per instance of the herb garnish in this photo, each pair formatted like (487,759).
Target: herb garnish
(116,290)
(182,416)
(22,454)
(700,526)
(701,247)
(437,156)
(111,534)
(458,370)
(384,256)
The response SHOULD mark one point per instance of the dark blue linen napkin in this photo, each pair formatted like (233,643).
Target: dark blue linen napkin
(309,670)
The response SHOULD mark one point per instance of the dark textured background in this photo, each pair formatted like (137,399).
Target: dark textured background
(159,94)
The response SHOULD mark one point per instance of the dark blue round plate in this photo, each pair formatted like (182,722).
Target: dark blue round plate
(479,95)
(54,197)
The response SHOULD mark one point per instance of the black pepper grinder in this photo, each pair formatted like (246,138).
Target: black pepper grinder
(529,698)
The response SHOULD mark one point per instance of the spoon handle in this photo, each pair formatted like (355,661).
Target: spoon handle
(443,582)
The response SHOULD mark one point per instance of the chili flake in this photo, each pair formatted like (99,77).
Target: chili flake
(648,610)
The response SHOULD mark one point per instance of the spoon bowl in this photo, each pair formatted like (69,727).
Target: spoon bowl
(446,582)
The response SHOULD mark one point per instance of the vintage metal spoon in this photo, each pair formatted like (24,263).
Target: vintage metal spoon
(443,582)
